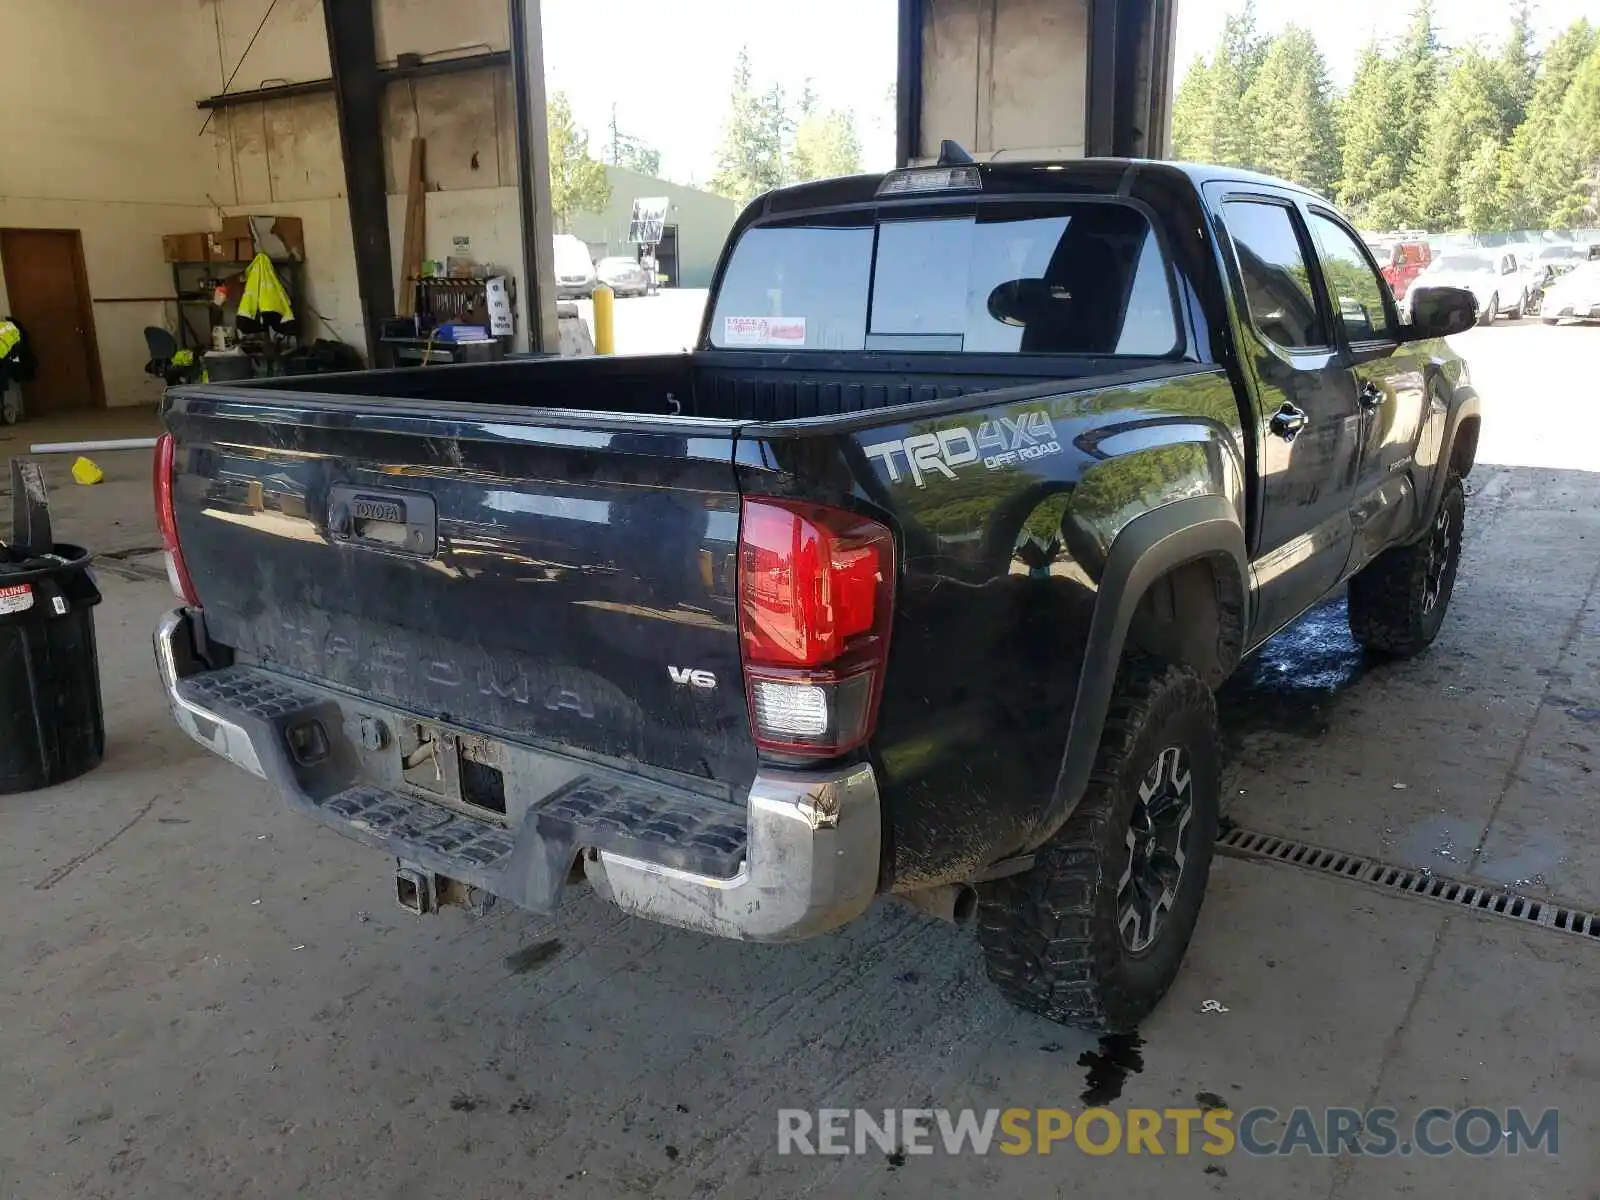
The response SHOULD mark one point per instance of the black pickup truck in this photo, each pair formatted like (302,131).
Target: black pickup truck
(914,578)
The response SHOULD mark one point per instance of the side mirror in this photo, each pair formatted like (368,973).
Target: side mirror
(1438,312)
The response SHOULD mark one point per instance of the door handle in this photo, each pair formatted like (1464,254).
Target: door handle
(1371,395)
(1287,422)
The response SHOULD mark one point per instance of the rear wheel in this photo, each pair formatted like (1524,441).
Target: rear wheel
(1521,309)
(1398,600)
(1093,933)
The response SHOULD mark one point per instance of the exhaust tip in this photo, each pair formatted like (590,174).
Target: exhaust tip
(965,906)
(953,902)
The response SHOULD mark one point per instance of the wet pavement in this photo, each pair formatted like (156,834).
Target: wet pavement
(203,995)
(1291,685)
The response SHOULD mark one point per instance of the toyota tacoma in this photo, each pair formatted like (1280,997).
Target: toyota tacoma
(914,578)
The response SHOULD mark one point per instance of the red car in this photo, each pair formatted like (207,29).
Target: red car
(1400,262)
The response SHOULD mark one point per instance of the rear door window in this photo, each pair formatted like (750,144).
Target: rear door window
(1028,278)
(1277,281)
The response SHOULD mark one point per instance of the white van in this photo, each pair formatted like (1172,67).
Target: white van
(575,275)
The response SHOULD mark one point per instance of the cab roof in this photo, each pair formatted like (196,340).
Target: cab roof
(1089,176)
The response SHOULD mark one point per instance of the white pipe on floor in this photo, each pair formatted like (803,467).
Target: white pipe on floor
(85,447)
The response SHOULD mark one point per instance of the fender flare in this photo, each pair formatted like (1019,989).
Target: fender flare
(1148,547)
(1464,403)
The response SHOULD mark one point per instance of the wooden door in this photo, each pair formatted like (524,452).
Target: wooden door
(48,292)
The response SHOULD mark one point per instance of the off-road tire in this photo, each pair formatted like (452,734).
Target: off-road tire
(1389,609)
(1051,936)
(1490,311)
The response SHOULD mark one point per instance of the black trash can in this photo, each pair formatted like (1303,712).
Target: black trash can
(52,727)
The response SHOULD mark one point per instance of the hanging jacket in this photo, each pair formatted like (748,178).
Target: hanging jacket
(19,356)
(10,338)
(265,302)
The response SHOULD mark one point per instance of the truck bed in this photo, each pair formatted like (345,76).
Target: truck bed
(544,555)
(716,385)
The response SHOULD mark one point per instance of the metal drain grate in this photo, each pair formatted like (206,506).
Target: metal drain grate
(1495,901)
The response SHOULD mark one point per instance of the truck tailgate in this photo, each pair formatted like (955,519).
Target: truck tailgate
(568,586)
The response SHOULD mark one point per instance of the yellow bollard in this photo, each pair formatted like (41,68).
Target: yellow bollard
(605,334)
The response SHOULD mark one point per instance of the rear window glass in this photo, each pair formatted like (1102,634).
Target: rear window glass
(1463,262)
(1020,278)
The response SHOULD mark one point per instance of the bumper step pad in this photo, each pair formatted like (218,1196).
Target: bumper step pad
(673,829)
(447,834)
(666,827)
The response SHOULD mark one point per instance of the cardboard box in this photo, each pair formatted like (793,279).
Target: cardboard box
(191,247)
(279,237)
(289,231)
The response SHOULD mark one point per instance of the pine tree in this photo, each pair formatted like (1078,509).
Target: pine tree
(1418,65)
(1465,115)
(1373,162)
(1519,67)
(752,159)
(1193,130)
(1208,113)
(1531,183)
(1288,109)
(1482,205)
(577,182)
(1238,58)
(1577,150)
(639,156)
(825,145)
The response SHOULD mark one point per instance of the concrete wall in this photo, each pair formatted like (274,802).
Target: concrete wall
(1005,76)
(99,136)
(102,135)
(283,156)
(703,221)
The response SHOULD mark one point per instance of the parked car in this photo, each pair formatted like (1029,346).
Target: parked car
(624,276)
(1497,278)
(574,269)
(916,577)
(1400,262)
(1574,296)
(1557,258)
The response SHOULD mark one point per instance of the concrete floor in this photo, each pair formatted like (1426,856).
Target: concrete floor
(202,996)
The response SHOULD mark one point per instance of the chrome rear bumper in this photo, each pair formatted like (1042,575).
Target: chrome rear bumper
(807,857)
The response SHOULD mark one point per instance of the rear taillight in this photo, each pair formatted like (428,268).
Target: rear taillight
(167,519)
(816,599)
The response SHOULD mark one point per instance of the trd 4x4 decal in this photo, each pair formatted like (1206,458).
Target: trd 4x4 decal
(1003,442)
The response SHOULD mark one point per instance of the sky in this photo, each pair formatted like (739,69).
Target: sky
(667,65)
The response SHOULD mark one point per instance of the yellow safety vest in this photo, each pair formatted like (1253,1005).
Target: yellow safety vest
(10,337)
(264,293)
